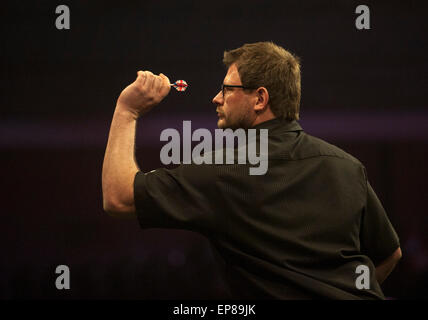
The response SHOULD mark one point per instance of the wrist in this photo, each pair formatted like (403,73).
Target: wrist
(126,113)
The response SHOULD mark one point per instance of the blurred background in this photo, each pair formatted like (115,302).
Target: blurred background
(362,90)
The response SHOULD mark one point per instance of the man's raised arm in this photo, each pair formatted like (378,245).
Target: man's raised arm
(119,166)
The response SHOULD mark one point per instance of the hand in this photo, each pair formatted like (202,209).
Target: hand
(144,93)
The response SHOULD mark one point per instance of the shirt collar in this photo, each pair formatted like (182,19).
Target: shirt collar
(280,125)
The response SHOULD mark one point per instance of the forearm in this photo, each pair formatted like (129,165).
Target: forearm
(119,166)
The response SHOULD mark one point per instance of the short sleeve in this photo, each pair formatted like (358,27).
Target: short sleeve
(378,237)
(180,198)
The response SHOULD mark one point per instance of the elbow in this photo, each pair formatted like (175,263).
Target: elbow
(118,200)
(118,209)
(118,195)
(109,207)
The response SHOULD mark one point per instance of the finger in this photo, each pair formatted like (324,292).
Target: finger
(165,79)
(158,83)
(141,78)
(166,85)
(149,80)
(153,80)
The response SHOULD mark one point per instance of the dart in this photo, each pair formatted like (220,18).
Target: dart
(180,85)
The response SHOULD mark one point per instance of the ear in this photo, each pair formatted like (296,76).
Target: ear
(262,96)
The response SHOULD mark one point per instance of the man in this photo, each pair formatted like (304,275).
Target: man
(302,230)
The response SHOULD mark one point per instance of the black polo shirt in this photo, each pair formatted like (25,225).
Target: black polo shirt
(297,232)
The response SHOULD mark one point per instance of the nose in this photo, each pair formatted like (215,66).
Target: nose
(218,99)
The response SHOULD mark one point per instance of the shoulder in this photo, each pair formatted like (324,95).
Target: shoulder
(316,147)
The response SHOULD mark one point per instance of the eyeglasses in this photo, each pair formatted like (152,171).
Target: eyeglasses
(223,86)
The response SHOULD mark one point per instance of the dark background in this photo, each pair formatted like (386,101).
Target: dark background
(363,90)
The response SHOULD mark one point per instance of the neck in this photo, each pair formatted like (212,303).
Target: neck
(266,115)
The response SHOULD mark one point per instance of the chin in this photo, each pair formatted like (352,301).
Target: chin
(221,124)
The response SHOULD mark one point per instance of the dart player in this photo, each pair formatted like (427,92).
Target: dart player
(312,227)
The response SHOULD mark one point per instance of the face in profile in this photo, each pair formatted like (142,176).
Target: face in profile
(235,106)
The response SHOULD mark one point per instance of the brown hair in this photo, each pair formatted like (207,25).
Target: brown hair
(265,64)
